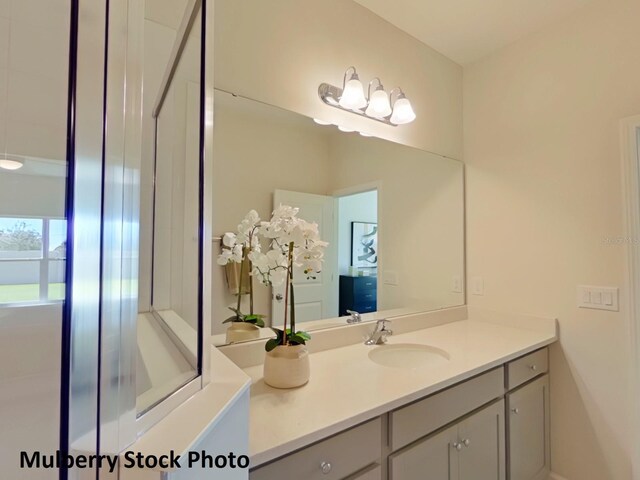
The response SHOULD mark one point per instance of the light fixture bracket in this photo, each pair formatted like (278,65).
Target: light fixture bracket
(330,95)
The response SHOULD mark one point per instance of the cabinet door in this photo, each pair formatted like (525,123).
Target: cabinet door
(528,431)
(483,436)
(433,458)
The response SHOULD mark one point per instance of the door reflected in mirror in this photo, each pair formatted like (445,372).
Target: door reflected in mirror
(392,214)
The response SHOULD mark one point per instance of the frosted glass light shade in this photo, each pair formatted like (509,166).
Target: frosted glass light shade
(402,112)
(10,164)
(379,105)
(353,95)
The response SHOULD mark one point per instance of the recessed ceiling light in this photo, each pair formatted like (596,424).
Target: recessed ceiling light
(11,163)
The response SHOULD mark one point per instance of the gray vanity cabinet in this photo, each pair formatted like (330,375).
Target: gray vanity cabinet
(482,436)
(433,458)
(472,449)
(494,426)
(528,431)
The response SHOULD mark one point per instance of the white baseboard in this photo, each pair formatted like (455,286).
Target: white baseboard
(555,476)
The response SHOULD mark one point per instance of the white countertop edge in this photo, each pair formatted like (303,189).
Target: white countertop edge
(181,429)
(265,456)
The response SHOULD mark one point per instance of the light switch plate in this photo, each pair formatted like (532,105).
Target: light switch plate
(599,298)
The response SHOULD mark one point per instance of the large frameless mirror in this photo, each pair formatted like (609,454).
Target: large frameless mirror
(393,216)
(170,313)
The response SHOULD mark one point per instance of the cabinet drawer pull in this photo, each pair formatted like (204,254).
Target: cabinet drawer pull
(457,446)
(533,367)
(325,467)
(515,411)
(466,442)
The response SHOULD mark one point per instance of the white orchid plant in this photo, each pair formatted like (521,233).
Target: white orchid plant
(237,248)
(293,243)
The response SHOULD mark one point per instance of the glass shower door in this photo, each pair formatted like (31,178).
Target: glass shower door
(34,79)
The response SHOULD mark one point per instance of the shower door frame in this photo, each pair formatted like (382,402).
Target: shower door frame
(630,168)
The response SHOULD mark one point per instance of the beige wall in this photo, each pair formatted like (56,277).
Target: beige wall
(544,190)
(279,51)
(420,215)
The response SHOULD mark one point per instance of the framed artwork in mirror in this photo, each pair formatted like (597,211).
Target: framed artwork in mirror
(364,245)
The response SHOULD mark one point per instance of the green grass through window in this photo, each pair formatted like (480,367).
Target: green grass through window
(29,292)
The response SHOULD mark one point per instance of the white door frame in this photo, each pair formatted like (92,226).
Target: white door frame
(354,190)
(629,140)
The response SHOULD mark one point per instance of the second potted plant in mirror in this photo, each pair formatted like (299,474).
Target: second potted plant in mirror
(295,245)
(237,247)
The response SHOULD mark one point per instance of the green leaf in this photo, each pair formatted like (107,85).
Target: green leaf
(296,339)
(255,320)
(304,335)
(271,344)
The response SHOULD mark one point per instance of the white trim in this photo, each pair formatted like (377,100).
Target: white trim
(157,412)
(629,138)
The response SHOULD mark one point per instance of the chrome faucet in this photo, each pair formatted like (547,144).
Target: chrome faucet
(380,333)
(355,317)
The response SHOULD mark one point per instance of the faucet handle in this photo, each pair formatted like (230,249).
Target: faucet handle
(382,323)
(355,316)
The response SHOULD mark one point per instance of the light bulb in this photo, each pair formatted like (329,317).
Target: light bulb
(353,94)
(402,112)
(365,134)
(345,129)
(321,122)
(379,106)
(11,163)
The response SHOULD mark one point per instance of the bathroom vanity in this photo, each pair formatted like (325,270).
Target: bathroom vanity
(481,413)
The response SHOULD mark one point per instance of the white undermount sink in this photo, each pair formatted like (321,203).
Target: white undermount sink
(408,355)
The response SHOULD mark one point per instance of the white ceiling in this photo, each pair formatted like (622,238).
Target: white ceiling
(467,30)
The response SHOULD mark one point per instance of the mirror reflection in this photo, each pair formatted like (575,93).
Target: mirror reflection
(168,322)
(392,215)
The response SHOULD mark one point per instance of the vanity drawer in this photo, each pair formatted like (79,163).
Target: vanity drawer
(363,285)
(524,369)
(365,307)
(342,455)
(419,419)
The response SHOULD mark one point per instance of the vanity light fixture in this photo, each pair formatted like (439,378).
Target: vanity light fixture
(11,162)
(402,110)
(377,105)
(352,97)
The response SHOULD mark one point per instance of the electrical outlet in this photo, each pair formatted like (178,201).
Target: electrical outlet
(390,277)
(477,286)
(457,284)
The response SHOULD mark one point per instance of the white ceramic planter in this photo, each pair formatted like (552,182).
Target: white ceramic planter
(287,366)
(241,331)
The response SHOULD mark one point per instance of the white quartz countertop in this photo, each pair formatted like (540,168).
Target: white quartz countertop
(347,388)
